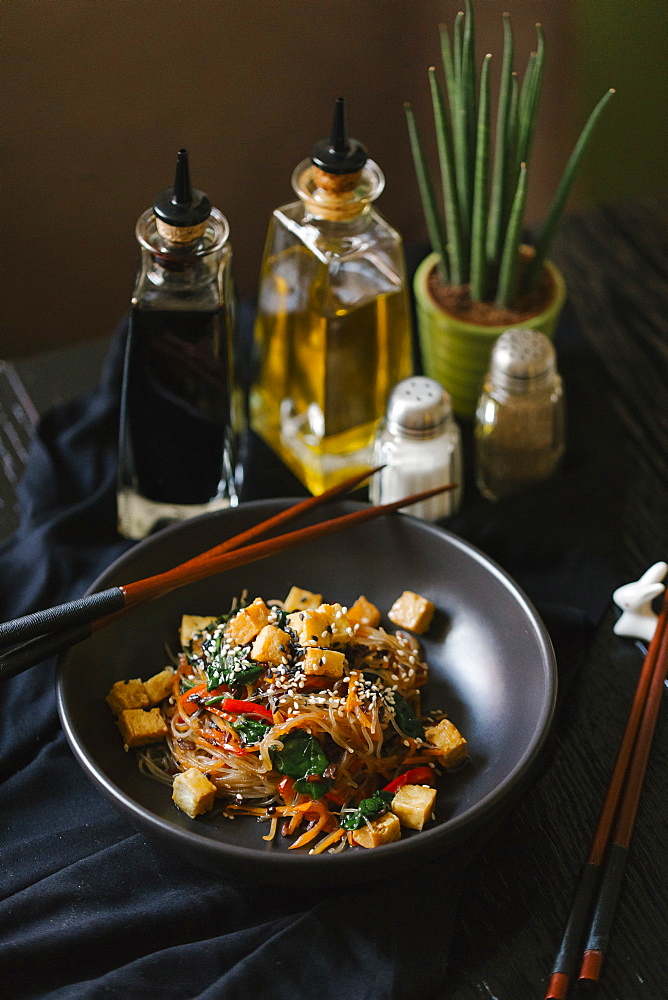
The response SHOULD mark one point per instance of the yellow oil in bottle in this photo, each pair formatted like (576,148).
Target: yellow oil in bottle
(325,368)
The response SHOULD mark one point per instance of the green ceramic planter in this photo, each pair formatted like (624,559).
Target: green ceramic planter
(456,353)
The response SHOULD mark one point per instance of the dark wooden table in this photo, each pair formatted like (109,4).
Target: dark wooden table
(516,895)
(514,905)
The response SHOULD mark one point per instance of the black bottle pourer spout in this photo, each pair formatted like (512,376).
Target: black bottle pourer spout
(339,154)
(182,206)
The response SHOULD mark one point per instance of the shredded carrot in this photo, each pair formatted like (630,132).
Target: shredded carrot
(353,704)
(295,820)
(311,806)
(328,841)
(253,810)
(219,739)
(308,836)
(219,711)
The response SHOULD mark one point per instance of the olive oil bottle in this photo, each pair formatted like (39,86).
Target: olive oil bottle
(332,335)
(179,414)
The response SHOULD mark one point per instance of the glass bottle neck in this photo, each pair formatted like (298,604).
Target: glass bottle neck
(181,276)
(339,207)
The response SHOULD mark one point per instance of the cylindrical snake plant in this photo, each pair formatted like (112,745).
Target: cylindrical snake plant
(478,235)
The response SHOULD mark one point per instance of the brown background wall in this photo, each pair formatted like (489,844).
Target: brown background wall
(99,95)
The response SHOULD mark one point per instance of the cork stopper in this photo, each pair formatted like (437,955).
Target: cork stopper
(335,183)
(181,212)
(337,198)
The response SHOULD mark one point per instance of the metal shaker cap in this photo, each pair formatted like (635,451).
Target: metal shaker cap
(418,407)
(522,360)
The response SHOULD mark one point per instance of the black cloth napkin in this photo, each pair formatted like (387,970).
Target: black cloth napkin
(89,908)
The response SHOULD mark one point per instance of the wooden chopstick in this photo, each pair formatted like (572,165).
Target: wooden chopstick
(180,576)
(106,602)
(28,654)
(611,884)
(587,889)
(70,629)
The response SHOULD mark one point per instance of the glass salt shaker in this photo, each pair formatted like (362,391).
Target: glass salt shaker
(519,428)
(419,444)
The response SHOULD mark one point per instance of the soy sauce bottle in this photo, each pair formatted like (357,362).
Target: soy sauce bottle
(179,409)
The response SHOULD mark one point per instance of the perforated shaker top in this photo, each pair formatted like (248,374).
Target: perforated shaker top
(418,407)
(522,360)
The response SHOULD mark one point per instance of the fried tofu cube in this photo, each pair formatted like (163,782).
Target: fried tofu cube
(323,662)
(247,623)
(139,727)
(159,686)
(363,612)
(414,804)
(312,627)
(412,612)
(301,600)
(384,830)
(191,624)
(271,646)
(339,623)
(193,792)
(127,694)
(449,741)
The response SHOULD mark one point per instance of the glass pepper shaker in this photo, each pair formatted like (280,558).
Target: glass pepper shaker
(519,427)
(180,418)
(419,444)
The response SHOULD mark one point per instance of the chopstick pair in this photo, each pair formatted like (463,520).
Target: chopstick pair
(51,631)
(55,629)
(597,893)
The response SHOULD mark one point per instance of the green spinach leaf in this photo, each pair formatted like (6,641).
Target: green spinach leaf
(370,808)
(251,730)
(300,757)
(233,668)
(316,789)
(407,720)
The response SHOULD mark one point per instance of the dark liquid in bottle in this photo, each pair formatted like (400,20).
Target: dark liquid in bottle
(176,428)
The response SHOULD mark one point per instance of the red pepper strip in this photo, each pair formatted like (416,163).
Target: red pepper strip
(416,776)
(285,787)
(246,708)
(188,701)
(335,798)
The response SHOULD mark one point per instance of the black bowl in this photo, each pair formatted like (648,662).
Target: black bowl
(492,670)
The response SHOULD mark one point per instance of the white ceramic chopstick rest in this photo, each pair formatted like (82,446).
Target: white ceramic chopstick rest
(635,599)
